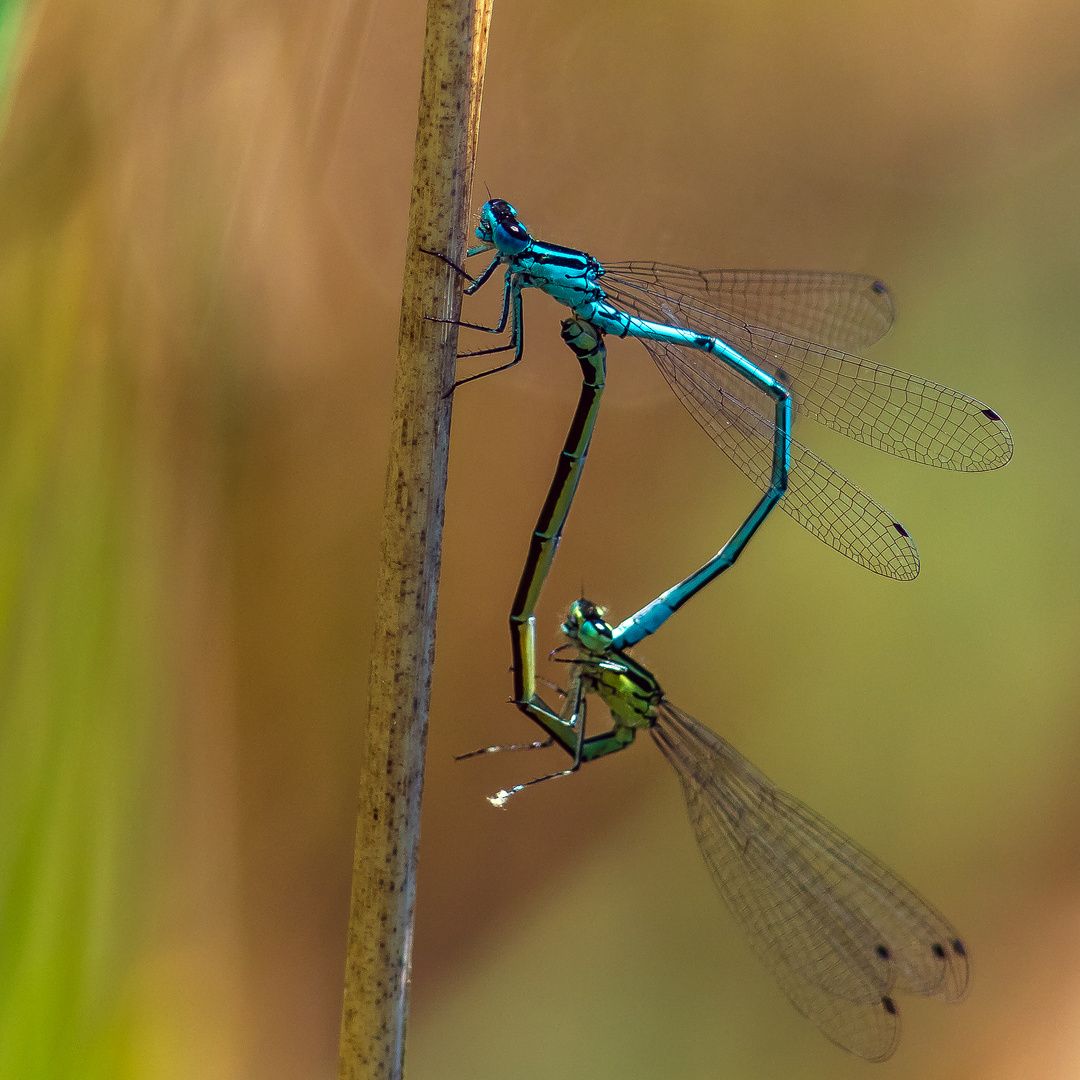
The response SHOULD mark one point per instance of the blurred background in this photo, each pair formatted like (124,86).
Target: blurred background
(202,230)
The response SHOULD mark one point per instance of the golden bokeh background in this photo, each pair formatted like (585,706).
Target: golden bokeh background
(203,214)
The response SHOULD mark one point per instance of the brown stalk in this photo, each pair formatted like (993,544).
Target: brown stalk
(378,958)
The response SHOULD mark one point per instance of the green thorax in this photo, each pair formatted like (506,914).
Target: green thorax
(628,689)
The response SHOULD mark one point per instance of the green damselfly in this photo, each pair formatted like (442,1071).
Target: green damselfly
(841,933)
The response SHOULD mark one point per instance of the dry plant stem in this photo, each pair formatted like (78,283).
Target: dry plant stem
(388,821)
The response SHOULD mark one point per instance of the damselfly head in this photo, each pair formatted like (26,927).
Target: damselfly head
(585,624)
(499,226)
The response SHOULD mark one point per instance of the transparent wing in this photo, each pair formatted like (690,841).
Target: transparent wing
(840,932)
(818,497)
(841,311)
(891,410)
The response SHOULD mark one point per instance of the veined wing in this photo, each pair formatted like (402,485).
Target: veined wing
(891,410)
(840,932)
(818,497)
(842,311)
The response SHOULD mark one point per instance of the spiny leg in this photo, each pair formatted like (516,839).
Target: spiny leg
(511,298)
(541,745)
(475,282)
(577,721)
(499,749)
(517,339)
(500,326)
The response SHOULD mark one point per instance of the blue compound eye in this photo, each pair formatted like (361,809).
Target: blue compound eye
(512,239)
(508,234)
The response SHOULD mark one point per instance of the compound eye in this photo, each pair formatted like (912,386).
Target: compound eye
(512,237)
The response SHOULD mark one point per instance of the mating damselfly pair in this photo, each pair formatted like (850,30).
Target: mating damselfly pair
(840,932)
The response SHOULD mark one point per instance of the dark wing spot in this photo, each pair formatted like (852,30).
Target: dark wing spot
(938,950)
(901,530)
(878,287)
(991,415)
(958,947)
(883,952)
(889,1006)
